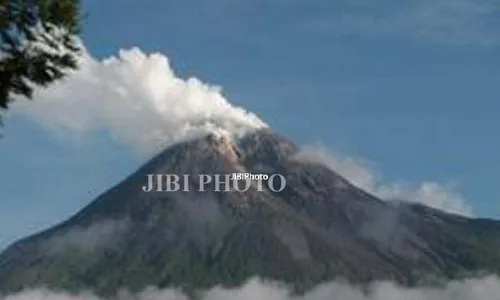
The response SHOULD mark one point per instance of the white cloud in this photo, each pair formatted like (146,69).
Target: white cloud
(430,193)
(478,289)
(354,169)
(359,173)
(103,234)
(138,100)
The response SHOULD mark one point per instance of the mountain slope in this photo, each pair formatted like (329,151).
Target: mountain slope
(320,227)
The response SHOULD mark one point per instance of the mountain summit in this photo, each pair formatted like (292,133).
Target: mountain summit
(320,227)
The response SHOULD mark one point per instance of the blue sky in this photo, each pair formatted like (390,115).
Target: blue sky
(409,87)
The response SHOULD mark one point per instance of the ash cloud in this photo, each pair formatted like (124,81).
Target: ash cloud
(138,100)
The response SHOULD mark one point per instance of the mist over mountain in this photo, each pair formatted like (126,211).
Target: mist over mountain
(319,229)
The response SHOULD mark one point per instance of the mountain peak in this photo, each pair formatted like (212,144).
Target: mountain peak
(319,227)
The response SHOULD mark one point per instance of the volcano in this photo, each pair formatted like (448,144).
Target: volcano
(320,227)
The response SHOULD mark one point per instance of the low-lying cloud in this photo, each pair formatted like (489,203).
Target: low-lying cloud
(359,173)
(473,289)
(98,236)
(137,99)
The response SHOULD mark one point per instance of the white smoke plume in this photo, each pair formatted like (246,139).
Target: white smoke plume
(473,289)
(138,100)
(359,173)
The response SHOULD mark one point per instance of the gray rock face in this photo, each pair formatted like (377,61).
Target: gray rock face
(320,227)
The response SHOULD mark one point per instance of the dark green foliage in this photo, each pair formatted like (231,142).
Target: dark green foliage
(37,44)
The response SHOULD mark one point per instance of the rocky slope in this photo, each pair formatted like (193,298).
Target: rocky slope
(320,227)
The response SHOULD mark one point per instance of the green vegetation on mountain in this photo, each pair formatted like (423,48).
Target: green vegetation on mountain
(318,229)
